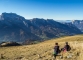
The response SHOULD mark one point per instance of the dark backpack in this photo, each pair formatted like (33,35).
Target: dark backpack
(67,47)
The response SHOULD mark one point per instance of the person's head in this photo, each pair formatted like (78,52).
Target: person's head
(66,43)
(56,43)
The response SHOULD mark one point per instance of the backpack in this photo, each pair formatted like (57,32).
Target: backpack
(68,48)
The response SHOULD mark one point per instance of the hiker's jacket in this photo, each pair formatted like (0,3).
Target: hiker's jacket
(56,49)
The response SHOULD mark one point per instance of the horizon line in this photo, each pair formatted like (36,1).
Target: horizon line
(41,18)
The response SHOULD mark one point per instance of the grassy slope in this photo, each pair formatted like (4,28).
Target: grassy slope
(44,50)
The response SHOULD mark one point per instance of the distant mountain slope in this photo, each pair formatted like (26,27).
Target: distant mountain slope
(16,28)
(79,24)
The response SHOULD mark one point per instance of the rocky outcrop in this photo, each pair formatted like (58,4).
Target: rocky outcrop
(5,44)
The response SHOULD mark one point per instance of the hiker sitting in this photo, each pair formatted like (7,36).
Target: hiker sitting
(56,50)
(66,47)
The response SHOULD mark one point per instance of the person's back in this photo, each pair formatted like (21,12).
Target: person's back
(56,49)
(67,47)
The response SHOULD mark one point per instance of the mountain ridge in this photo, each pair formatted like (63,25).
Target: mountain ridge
(77,23)
(16,28)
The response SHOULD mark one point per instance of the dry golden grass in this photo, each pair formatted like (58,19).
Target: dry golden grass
(44,50)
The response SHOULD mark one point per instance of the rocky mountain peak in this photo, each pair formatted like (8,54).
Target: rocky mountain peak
(6,16)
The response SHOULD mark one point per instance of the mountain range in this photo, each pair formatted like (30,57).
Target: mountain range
(16,28)
(77,23)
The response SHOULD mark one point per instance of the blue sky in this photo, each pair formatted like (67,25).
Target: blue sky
(47,9)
